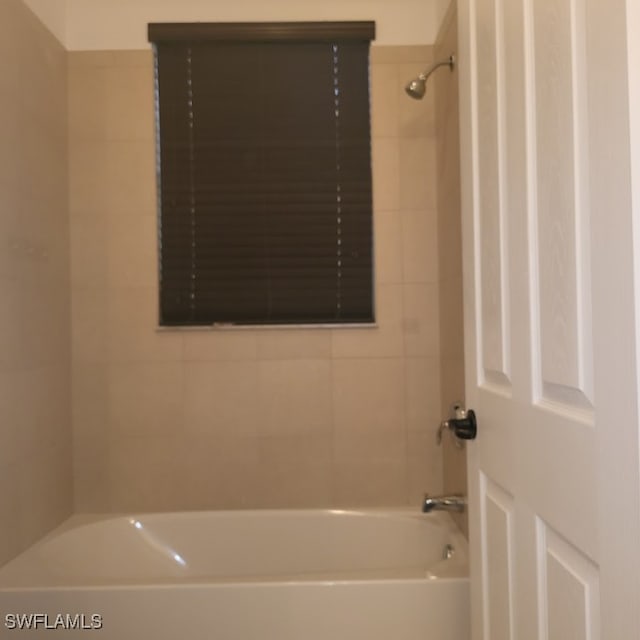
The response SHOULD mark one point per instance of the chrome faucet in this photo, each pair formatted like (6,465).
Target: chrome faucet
(456,503)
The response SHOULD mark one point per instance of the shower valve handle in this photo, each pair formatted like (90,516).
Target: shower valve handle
(462,423)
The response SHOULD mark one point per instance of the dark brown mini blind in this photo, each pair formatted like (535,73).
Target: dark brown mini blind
(264,173)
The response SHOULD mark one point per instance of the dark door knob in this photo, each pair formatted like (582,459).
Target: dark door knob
(462,423)
(464,427)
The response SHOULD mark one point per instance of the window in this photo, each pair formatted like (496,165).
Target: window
(264,160)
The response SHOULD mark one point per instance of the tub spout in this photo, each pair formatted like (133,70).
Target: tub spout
(455,503)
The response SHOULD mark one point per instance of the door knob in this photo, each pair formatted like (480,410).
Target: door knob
(461,423)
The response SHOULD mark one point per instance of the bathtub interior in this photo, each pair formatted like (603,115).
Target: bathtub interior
(249,546)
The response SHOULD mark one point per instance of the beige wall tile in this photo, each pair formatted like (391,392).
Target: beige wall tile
(12,16)
(221,472)
(11,542)
(89,315)
(119,58)
(422,394)
(10,435)
(285,344)
(362,484)
(40,164)
(10,206)
(87,104)
(451,319)
(88,179)
(212,345)
(89,60)
(90,401)
(43,407)
(25,421)
(420,248)
(376,447)
(368,396)
(146,399)
(44,485)
(39,212)
(455,467)
(295,471)
(11,164)
(89,252)
(42,86)
(385,155)
(294,397)
(452,381)
(19,319)
(421,319)
(385,101)
(19,417)
(50,341)
(131,336)
(90,412)
(131,178)
(450,239)
(388,248)
(132,58)
(133,259)
(130,103)
(91,474)
(424,466)
(9,324)
(417,170)
(448,179)
(221,399)
(455,477)
(146,473)
(400,54)
(370,468)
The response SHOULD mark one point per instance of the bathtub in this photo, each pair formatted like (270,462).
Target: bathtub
(243,575)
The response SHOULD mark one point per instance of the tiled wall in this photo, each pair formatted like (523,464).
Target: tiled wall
(35,421)
(450,244)
(203,419)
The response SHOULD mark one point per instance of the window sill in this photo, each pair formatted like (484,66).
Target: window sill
(268,327)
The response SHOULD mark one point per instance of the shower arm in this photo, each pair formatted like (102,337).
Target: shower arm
(450,62)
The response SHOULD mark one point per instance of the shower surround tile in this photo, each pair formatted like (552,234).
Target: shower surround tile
(215,399)
(253,417)
(450,256)
(36,491)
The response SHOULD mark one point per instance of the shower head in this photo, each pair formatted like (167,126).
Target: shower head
(418,86)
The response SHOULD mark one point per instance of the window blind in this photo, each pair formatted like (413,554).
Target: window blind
(264,163)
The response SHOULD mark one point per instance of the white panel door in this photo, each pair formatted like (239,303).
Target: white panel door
(550,307)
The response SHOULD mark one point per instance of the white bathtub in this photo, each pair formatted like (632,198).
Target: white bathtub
(245,575)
